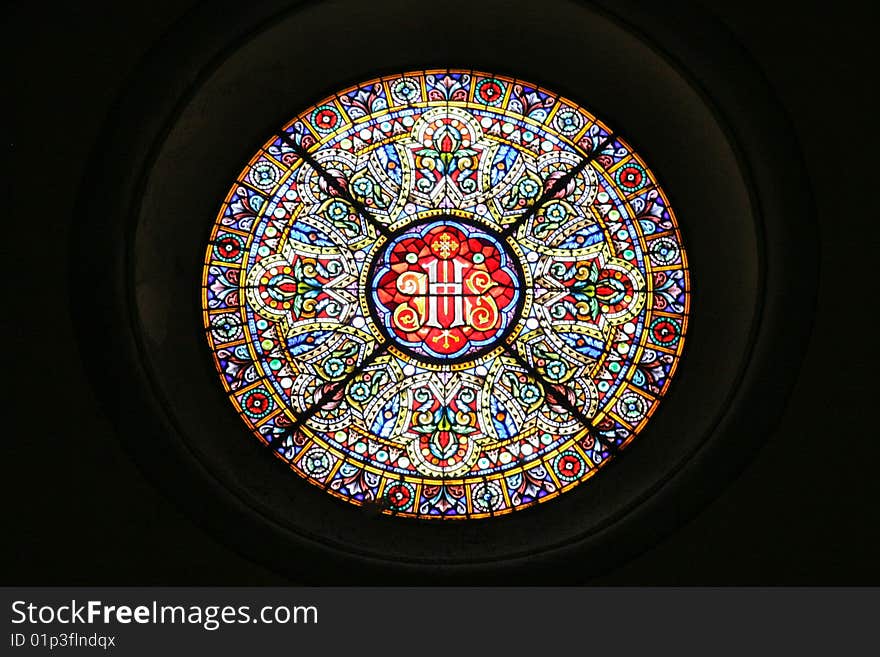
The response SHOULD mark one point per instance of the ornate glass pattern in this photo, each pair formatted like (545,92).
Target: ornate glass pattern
(446,294)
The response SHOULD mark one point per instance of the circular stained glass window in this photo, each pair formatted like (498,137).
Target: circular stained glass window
(446,294)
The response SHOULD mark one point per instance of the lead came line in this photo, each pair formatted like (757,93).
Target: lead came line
(302,153)
(561,399)
(556,187)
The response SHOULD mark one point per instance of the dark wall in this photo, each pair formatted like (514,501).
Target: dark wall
(80,511)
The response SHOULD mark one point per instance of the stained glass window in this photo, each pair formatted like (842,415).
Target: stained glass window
(446,294)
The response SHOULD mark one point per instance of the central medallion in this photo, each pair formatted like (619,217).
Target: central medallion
(445,289)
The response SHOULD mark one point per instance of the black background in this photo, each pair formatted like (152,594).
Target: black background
(78,511)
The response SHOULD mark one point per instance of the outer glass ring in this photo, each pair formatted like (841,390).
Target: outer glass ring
(312,368)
